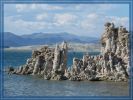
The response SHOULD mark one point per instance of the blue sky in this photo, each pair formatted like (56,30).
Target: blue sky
(79,19)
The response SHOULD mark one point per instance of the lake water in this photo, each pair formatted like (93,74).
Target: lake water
(21,85)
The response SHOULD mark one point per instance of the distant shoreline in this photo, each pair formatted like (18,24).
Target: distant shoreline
(30,48)
(75,47)
(21,48)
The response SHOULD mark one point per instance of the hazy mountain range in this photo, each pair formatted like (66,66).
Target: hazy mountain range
(10,39)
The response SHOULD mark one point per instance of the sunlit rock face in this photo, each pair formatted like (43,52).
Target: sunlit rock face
(47,62)
(112,64)
(115,49)
(60,62)
(60,57)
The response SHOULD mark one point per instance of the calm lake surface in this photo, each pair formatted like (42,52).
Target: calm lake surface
(20,85)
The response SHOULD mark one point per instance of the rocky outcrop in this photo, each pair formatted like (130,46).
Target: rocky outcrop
(47,62)
(112,64)
(115,49)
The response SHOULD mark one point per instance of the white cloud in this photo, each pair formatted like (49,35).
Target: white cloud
(93,16)
(70,18)
(124,21)
(96,7)
(64,19)
(94,23)
(49,7)
(21,26)
(21,7)
(91,21)
(41,16)
(36,7)
(33,6)
(107,6)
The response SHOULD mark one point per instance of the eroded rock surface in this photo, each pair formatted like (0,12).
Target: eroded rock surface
(47,62)
(112,64)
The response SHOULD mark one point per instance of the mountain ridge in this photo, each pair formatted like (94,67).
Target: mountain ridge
(11,39)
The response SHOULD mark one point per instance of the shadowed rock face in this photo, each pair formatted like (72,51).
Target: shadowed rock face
(47,62)
(112,64)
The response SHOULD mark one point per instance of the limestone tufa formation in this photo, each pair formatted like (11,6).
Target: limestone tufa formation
(112,64)
(47,62)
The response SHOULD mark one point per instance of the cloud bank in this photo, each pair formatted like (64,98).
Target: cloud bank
(79,19)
